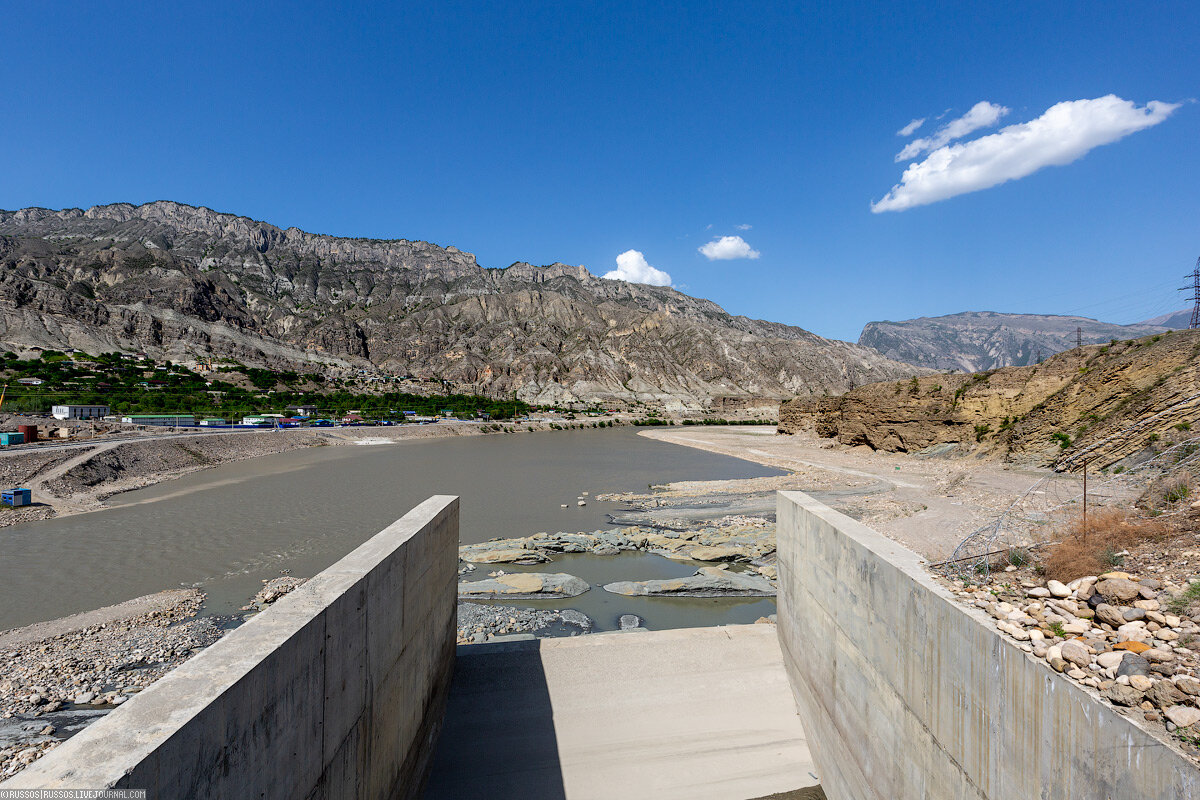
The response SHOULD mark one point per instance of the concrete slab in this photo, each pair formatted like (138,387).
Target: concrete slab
(694,714)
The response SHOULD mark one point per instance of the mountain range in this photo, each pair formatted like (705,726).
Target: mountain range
(186,284)
(976,341)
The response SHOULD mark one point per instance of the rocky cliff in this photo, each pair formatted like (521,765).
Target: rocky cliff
(982,340)
(1105,402)
(183,283)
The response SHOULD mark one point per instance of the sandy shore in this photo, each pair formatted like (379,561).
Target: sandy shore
(927,504)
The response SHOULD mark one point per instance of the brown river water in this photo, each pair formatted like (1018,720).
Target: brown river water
(227,528)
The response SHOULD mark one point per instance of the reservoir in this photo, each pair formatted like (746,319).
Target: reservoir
(228,528)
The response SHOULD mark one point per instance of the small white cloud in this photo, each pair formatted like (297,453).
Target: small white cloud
(981,115)
(743,227)
(708,227)
(633,267)
(1064,133)
(911,128)
(727,248)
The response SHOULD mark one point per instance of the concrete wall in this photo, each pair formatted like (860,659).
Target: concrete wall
(335,691)
(905,693)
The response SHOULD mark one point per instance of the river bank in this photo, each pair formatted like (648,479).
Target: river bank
(62,675)
(927,502)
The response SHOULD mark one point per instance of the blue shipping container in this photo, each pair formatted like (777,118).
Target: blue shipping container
(16,497)
(7,438)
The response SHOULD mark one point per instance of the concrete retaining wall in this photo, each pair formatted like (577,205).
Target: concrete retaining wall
(335,691)
(905,693)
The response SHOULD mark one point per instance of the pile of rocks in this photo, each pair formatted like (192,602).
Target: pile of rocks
(1126,637)
(480,623)
(272,590)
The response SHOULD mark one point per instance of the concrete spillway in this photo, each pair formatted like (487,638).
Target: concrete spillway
(693,714)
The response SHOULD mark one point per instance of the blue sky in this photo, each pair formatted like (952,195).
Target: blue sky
(576,132)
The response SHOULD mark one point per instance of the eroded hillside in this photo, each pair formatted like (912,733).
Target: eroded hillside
(182,283)
(1103,402)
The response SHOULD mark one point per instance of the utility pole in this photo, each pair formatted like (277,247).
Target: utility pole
(1078,336)
(1195,289)
(1085,527)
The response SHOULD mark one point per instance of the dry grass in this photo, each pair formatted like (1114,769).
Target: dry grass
(1094,548)
(1169,493)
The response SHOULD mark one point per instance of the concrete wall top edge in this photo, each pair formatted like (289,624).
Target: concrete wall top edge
(894,553)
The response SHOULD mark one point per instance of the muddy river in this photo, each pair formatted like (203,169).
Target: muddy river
(227,528)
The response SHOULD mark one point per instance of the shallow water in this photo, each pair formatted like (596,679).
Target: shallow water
(227,528)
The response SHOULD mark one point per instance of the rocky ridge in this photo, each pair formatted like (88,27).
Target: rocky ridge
(975,341)
(183,283)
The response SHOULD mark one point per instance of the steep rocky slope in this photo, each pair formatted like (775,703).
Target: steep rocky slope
(981,340)
(1105,402)
(183,282)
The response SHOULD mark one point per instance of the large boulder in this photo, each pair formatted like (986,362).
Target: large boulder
(1076,653)
(500,554)
(1119,589)
(1122,695)
(1133,664)
(1110,614)
(716,553)
(524,585)
(707,582)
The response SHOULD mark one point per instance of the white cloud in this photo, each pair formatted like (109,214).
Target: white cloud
(743,227)
(1064,133)
(728,247)
(633,267)
(910,128)
(981,115)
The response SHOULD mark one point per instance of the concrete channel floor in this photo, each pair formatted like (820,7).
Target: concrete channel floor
(693,713)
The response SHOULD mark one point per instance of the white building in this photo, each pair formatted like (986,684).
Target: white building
(79,412)
(261,419)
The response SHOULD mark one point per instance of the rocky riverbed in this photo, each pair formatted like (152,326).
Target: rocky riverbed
(742,546)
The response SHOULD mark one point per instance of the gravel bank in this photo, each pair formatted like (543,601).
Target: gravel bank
(478,623)
(59,676)
(62,675)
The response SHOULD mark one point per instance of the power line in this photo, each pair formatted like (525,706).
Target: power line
(1195,287)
